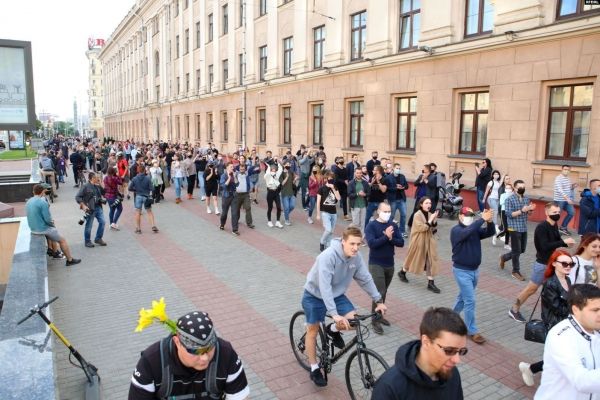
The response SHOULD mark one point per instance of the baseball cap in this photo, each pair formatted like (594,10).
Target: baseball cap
(196,332)
(467,211)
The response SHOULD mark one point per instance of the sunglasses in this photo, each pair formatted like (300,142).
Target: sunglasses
(566,264)
(452,351)
(199,351)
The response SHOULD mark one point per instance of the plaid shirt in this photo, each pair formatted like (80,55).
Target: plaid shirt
(514,203)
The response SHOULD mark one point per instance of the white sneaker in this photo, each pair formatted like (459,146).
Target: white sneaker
(202,198)
(494,240)
(208,211)
(288,223)
(217,211)
(278,224)
(507,247)
(526,373)
(270,224)
(310,220)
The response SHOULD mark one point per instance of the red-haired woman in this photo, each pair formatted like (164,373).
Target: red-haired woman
(587,260)
(554,301)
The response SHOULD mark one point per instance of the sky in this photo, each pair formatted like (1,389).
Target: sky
(58,31)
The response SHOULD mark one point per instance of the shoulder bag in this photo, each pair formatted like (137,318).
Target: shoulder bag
(535,329)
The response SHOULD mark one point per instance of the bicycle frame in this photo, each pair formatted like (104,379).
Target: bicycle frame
(328,361)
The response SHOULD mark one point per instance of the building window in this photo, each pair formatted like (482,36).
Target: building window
(225,14)
(197,79)
(156,64)
(178,85)
(262,68)
(241,68)
(240,125)
(262,7)
(187,126)
(410,23)
(356,123)
(262,125)
(358,35)
(318,43)
(225,73)
(225,127)
(197,35)
(198,126)
(187,82)
(569,121)
(209,120)
(176,7)
(317,124)
(157,92)
(575,8)
(177,46)
(479,17)
(210,78)
(186,4)
(473,122)
(210,27)
(288,48)
(242,13)
(155,25)
(187,41)
(177,128)
(286,113)
(406,123)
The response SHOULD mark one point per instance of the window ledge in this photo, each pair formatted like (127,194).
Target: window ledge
(356,149)
(559,163)
(283,145)
(403,152)
(467,156)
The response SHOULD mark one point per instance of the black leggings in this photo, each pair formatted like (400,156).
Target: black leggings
(191,181)
(504,227)
(273,196)
(537,367)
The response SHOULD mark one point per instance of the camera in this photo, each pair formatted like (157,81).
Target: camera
(117,201)
(102,200)
(84,217)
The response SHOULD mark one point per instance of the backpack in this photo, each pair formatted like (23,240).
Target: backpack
(166,384)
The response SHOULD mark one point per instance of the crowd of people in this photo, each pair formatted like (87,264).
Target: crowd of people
(372,198)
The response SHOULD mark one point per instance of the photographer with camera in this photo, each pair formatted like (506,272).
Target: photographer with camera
(91,198)
(114,197)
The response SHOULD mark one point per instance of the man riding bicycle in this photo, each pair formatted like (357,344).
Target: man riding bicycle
(324,293)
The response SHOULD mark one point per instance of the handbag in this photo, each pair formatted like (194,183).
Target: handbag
(148,202)
(535,329)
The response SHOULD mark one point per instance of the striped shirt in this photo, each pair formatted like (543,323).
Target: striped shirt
(562,188)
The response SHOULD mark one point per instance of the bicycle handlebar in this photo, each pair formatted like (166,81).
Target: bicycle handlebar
(375,315)
(37,309)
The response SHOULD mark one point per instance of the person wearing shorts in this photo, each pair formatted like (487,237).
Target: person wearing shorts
(546,239)
(41,223)
(141,185)
(211,187)
(324,293)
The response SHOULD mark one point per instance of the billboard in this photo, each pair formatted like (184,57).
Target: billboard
(17,106)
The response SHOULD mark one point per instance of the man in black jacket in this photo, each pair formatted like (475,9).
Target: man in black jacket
(90,199)
(546,239)
(484,175)
(426,368)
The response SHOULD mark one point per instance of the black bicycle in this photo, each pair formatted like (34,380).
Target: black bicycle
(363,367)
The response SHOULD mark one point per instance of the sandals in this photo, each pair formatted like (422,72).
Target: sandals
(154,229)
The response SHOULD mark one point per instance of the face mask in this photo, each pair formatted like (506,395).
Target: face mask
(397,171)
(467,221)
(374,157)
(554,217)
(508,191)
(287,167)
(598,190)
(314,172)
(320,162)
(330,181)
(521,191)
(219,158)
(385,216)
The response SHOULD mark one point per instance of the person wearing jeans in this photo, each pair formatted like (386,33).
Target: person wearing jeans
(397,185)
(90,200)
(562,195)
(112,182)
(358,194)
(484,175)
(327,200)
(288,197)
(466,239)
(315,181)
(178,174)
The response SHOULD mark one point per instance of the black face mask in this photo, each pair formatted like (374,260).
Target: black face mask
(521,191)
(330,181)
(555,217)
(374,157)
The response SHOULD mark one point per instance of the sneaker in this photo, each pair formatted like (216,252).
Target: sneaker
(564,231)
(317,377)
(310,220)
(384,321)
(154,229)
(377,328)
(347,218)
(402,276)
(251,226)
(255,201)
(288,223)
(432,288)
(526,373)
(114,227)
(336,337)
(100,242)
(494,240)
(518,276)
(202,198)
(502,262)
(516,315)
(478,338)
(404,235)
(208,211)
(49,252)
(235,233)
(270,224)
(89,244)
(58,256)
(507,247)
(278,224)
(221,227)
(73,261)
(217,212)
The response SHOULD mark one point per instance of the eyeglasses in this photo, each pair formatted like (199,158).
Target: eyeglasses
(199,351)
(452,351)
(566,264)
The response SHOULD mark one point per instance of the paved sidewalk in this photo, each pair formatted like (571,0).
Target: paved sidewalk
(251,285)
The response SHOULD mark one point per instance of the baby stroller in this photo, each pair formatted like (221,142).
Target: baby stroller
(451,201)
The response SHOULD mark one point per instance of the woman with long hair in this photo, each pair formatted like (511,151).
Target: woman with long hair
(492,198)
(422,250)
(587,260)
(507,190)
(112,184)
(315,181)
(555,306)
(211,187)
(178,175)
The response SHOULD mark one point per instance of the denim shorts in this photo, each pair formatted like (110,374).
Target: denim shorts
(139,201)
(537,276)
(315,310)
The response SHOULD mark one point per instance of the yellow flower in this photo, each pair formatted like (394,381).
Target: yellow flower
(158,310)
(145,320)
(156,314)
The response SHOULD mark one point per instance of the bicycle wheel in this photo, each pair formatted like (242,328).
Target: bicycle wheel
(297,335)
(360,381)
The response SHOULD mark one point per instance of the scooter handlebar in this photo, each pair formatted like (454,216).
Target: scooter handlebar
(36,309)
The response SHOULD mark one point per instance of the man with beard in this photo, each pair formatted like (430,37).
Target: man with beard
(426,368)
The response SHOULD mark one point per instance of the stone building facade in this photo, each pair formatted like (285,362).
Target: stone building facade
(451,81)
(95,91)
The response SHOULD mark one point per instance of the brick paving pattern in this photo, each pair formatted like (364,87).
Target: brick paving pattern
(251,285)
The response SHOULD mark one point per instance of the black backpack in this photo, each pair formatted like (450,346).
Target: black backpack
(166,385)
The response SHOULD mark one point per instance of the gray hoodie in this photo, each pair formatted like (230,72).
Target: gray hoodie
(332,274)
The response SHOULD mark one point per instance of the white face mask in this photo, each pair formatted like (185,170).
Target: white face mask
(467,221)
(385,216)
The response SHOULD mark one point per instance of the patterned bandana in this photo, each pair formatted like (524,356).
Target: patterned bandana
(195,330)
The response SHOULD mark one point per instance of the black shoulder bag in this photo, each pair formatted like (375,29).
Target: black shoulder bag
(535,329)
